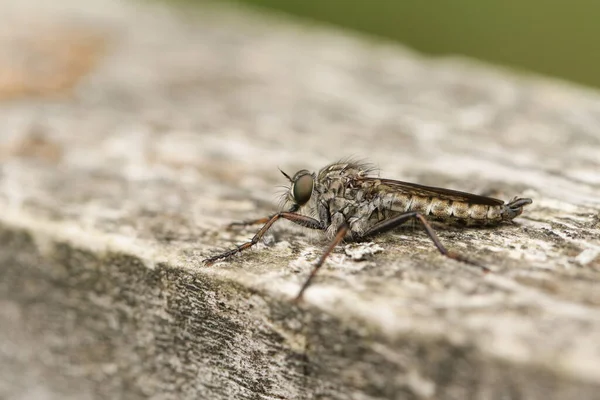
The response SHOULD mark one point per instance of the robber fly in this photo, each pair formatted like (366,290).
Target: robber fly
(346,201)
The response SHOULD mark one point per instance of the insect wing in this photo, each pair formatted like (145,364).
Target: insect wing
(429,191)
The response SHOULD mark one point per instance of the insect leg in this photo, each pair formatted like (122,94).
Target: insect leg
(251,221)
(395,222)
(341,233)
(295,218)
(259,220)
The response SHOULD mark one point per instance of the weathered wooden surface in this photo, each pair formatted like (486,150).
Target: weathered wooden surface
(130,135)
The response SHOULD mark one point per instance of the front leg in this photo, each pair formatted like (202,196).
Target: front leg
(250,222)
(264,220)
(299,219)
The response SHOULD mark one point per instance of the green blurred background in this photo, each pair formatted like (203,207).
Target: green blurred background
(552,37)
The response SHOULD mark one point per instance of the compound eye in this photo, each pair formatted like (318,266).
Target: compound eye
(303,188)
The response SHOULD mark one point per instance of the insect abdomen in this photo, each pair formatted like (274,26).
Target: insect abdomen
(476,214)
(447,210)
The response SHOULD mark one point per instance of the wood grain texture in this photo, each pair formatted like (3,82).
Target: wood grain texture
(111,197)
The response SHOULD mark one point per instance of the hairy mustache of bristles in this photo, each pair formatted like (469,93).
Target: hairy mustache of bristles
(283,196)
